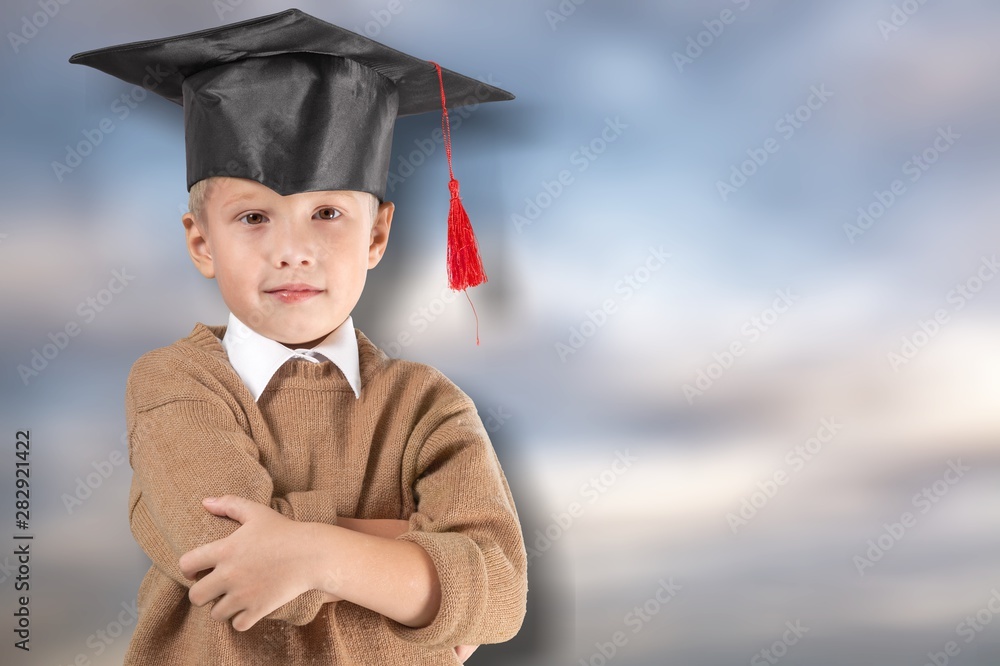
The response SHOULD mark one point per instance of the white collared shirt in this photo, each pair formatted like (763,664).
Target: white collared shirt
(256,358)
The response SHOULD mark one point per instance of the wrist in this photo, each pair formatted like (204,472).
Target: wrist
(327,576)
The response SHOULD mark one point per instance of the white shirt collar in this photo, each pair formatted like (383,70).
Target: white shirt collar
(256,358)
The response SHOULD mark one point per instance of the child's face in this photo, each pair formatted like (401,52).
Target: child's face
(292,268)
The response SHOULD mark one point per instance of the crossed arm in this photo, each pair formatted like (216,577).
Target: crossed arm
(237,593)
(270,560)
(278,564)
(389,566)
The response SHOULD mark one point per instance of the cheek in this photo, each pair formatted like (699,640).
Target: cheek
(234,267)
(236,255)
(347,252)
(228,284)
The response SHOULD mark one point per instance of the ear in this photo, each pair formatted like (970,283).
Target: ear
(380,233)
(198,247)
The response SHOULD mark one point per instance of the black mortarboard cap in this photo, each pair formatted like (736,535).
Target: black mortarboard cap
(288,100)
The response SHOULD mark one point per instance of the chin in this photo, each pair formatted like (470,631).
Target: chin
(300,336)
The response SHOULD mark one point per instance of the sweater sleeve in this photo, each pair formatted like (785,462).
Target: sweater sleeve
(185,444)
(466,521)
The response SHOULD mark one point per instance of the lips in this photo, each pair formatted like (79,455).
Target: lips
(294,293)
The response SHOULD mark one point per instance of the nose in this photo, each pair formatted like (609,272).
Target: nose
(294,246)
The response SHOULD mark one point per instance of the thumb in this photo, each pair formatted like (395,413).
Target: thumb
(232,506)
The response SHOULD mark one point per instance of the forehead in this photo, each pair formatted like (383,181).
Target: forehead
(229,192)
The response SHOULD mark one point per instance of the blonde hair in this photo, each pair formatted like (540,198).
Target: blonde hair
(196,197)
(199,191)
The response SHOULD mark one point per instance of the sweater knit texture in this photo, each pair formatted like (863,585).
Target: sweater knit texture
(412,447)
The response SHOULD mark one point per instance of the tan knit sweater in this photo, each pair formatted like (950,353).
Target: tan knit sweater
(411,447)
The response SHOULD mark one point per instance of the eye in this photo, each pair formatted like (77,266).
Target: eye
(328,213)
(253,219)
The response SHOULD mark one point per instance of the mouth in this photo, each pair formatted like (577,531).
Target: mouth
(294,293)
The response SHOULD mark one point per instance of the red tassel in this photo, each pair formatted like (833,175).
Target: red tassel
(465,267)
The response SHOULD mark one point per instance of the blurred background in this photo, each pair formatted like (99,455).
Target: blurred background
(738,345)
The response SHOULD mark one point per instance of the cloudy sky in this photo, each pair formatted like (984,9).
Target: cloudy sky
(738,344)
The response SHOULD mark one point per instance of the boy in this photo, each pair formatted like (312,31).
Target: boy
(305,499)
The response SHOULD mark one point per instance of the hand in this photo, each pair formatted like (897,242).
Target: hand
(261,566)
(463,651)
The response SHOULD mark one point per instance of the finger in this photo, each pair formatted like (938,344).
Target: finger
(226,608)
(245,620)
(232,506)
(208,588)
(199,559)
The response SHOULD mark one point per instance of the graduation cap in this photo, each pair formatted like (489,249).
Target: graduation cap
(299,104)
